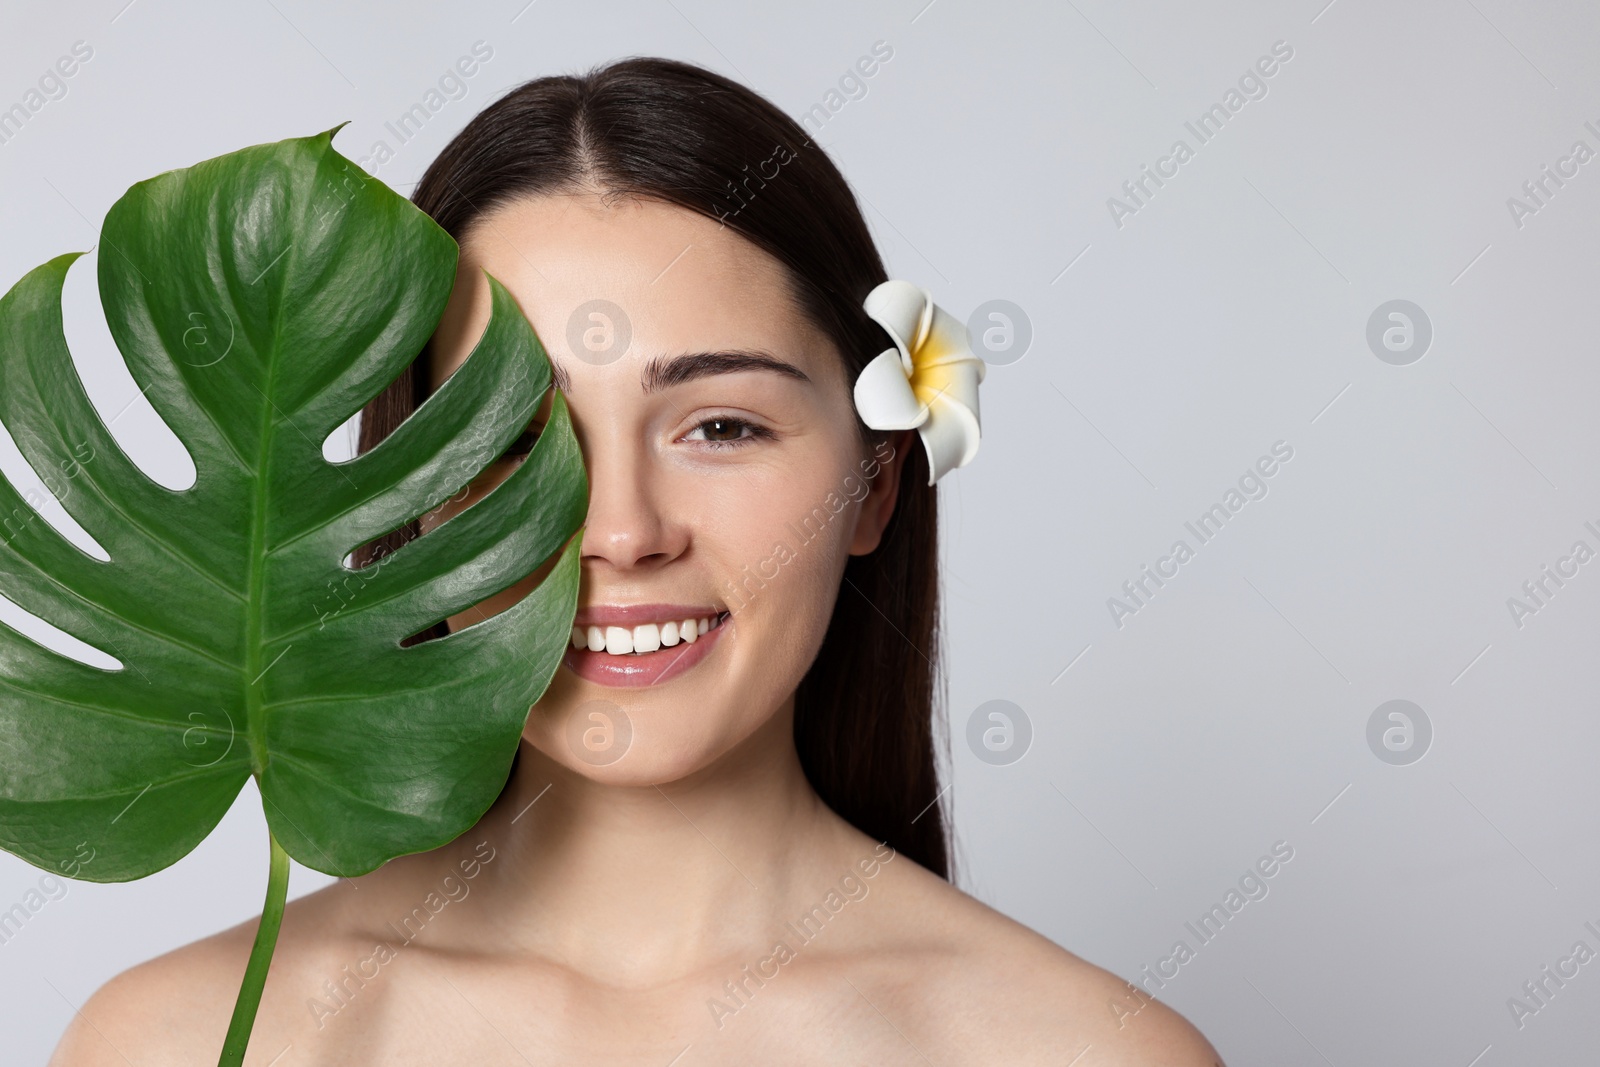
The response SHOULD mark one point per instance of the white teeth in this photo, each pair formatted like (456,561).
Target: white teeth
(619,642)
(646,638)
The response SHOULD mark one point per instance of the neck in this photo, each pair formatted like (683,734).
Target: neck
(639,884)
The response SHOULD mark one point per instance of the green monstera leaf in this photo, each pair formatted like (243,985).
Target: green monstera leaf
(260,299)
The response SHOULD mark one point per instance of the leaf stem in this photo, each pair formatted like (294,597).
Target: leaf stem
(255,973)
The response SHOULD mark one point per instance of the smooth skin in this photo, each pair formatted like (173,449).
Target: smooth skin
(629,913)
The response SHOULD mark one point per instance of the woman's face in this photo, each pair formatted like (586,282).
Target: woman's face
(726,479)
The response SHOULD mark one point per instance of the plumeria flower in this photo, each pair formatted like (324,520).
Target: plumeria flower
(927,382)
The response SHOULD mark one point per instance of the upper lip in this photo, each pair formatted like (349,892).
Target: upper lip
(636,614)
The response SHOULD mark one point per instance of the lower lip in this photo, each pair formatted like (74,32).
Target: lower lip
(648,668)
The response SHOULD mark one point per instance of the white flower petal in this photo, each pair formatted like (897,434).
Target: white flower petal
(959,386)
(947,341)
(884,397)
(904,310)
(925,321)
(950,437)
(929,381)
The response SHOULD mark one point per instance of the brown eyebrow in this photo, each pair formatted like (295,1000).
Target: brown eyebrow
(662,373)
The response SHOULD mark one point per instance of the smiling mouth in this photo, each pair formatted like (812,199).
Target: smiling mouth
(644,665)
(645,639)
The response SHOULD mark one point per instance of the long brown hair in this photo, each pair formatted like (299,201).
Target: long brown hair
(864,722)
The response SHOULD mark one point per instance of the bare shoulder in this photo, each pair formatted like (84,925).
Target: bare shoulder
(1008,994)
(175,1009)
(155,1011)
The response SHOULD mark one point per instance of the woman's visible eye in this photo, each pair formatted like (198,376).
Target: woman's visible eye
(728,432)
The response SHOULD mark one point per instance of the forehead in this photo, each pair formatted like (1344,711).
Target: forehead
(684,282)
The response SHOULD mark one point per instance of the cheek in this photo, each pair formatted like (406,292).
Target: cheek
(777,542)
(771,549)
(780,553)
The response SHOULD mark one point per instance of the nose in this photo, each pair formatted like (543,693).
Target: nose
(626,525)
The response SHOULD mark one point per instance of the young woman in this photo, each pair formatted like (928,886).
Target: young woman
(722,840)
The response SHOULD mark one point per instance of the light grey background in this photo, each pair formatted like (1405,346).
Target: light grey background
(1168,354)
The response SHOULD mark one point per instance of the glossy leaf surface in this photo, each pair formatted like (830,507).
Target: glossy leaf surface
(260,299)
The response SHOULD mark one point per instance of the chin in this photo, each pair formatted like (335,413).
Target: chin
(617,742)
(655,754)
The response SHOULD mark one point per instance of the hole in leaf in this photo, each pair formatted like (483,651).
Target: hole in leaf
(340,445)
(491,605)
(40,502)
(55,638)
(128,416)
(481,485)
